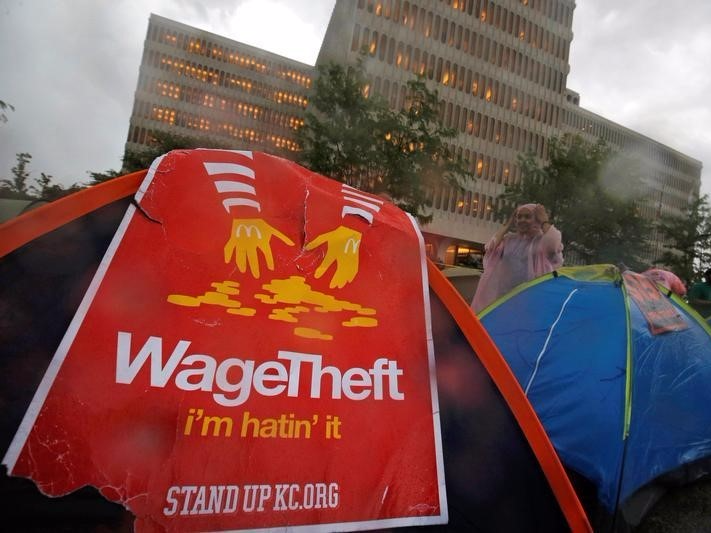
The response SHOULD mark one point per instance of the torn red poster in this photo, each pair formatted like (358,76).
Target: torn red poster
(253,352)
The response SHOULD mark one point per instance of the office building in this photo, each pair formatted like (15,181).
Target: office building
(500,69)
(198,84)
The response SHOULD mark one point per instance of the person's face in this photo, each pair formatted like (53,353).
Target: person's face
(524,220)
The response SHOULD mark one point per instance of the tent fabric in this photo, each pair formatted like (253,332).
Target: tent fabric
(621,406)
(501,470)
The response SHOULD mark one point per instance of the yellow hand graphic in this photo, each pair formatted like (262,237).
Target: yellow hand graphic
(249,235)
(342,249)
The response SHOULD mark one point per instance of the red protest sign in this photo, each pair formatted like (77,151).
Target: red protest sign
(254,351)
(661,315)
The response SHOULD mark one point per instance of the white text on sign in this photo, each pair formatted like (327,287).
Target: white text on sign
(201,372)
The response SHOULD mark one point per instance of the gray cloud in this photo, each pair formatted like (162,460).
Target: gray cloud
(70,69)
(644,64)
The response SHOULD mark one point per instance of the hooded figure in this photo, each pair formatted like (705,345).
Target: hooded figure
(667,279)
(526,247)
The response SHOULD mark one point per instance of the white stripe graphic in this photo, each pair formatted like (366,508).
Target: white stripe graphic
(246,153)
(374,207)
(548,338)
(234,186)
(228,168)
(231,202)
(347,189)
(444,510)
(348,210)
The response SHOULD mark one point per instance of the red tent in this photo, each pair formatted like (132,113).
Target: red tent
(501,471)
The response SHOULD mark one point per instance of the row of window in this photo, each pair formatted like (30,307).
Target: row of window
(629,141)
(201,47)
(268,117)
(553,9)
(433,67)
(221,78)
(454,35)
(466,203)
(144,136)
(493,130)
(579,123)
(484,127)
(662,202)
(468,121)
(669,182)
(478,85)
(489,168)
(233,106)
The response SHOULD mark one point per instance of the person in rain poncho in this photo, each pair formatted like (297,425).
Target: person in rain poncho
(527,246)
(666,279)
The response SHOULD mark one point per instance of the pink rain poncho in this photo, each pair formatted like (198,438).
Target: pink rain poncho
(517,258)
(667,279)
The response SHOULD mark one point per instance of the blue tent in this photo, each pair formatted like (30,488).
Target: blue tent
(623,406)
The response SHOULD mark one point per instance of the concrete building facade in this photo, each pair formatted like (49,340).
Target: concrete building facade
(500,69)
(198,84)
(670,179)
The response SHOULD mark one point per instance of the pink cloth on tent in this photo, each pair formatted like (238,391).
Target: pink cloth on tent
(667,279)
(516,259)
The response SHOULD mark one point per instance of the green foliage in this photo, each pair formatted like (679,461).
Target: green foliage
(358,140)
(591,194)
(3,107)
(687,240)
(101,177)
(43,188)
(161,143)
(16,187)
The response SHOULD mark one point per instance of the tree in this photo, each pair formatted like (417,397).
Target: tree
(17,187)
(46,190)
(592,195)
(686,240)
(161,143)
(355,138)
(43,188)
(101,177)
(3,107)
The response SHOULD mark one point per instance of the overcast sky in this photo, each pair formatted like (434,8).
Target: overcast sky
(69,67)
